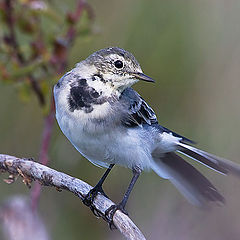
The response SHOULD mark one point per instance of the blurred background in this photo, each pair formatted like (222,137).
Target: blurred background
(192,50)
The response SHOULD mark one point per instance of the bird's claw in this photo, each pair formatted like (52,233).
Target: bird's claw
(89,198)
(109,213)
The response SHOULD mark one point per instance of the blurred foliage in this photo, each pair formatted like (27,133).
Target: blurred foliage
(35,40)
(191,49)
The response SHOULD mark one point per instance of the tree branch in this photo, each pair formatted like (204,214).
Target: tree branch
(30,171)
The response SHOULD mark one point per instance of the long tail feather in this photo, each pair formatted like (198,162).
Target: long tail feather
(189,181)
(219,164)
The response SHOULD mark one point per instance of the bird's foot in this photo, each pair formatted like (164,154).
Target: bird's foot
(109,213)
(89,198)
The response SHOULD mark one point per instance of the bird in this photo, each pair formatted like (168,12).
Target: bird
(110,124)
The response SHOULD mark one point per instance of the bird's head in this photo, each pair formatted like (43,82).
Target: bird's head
(115,67)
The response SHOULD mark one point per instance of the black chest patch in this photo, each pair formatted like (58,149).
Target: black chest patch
(83,97)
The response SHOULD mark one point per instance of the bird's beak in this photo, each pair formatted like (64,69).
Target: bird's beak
(142,76)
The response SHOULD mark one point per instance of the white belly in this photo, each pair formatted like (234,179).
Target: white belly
(103,145)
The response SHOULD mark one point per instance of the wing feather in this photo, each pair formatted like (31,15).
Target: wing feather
(139,113)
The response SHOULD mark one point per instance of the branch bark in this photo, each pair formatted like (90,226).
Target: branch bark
(31,171)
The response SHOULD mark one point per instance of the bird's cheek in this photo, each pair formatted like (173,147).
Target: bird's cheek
(130,81)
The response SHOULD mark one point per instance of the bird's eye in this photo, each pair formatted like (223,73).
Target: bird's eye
(118,64)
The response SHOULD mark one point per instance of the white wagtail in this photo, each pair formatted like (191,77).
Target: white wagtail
(109,123)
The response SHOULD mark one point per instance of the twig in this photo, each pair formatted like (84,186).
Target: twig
(12,41)
(37,89)
(10,23)
(62,45)
(43,156)
(31,170)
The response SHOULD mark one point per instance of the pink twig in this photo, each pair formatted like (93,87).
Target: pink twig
(74,17)
(43,156)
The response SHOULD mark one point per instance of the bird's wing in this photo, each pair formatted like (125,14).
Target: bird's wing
(183,139)
(139,113)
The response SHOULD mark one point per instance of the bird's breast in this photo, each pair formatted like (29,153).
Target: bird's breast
(94,127)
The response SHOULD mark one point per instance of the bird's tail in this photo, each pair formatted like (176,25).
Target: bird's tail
(218,164)
(189,181)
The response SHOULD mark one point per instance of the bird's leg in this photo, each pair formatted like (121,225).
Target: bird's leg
(89,198)
(121,206)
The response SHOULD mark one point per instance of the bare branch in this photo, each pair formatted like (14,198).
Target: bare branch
(30,171)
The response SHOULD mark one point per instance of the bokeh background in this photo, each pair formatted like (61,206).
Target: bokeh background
(192,50)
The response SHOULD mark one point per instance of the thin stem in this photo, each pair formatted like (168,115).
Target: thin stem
(43,156)
(16,51)
(12,35)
